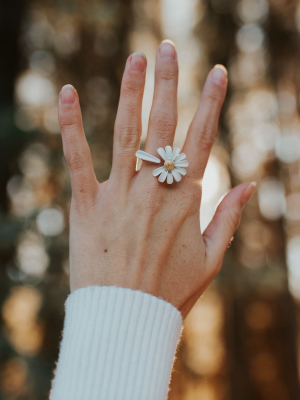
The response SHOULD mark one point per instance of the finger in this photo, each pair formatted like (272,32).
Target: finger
(225,222)
(75,147)
(163,116)
(128,126)
(203,129)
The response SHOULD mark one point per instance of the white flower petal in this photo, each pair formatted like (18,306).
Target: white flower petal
(182,171)
(162,153)
(168,152)
(142,155)
(158,171)
(163,176)
(175,153)
(176,175)
(181,157)
(170,178)
(181,163)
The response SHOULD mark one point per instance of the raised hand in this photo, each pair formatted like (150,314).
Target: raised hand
(133,231)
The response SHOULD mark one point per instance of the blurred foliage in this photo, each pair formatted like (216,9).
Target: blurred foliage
(241,339)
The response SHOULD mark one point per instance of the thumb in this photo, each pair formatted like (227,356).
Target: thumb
(226,220)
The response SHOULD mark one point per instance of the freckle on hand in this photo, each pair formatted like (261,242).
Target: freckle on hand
(105,251)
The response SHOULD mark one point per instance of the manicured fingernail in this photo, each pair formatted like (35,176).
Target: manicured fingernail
(138,62)
(167,50)
(249,192)
(67,95)
(219,75)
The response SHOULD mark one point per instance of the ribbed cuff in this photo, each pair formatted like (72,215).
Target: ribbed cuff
(118,344)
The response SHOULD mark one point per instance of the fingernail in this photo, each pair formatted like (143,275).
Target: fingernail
(249,192)
(138,62)
(219,75)
(167,50)
(67,95)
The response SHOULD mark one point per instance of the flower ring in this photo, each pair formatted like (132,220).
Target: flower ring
(174,161)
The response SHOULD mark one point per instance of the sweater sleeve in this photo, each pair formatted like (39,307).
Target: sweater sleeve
(118,344)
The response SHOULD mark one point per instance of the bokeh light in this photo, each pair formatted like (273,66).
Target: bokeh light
(239,336)
(32,257)
(51,221)
(21,324)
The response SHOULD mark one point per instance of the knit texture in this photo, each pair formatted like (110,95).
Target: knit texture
(118,344)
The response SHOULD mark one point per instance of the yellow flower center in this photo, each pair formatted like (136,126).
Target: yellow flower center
(169,165)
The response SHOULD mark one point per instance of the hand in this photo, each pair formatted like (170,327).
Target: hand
(133,231)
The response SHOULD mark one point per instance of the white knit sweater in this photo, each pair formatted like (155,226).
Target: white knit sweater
(118,344)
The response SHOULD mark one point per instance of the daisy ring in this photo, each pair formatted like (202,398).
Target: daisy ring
(174,163)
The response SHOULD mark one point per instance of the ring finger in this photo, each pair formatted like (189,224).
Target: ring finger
(163,116)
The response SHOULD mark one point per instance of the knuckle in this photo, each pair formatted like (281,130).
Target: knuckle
(164,123)
(131,88)
(207,136)
(215,96)
(168,74)
(127,136)
(76,159)
(67,119)
(233,219)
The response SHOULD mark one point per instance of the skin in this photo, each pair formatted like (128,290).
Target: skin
(133,231)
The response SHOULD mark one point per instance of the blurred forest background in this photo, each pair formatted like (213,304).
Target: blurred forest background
(241,341)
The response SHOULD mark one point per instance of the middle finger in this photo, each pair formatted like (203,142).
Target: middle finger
(163,116)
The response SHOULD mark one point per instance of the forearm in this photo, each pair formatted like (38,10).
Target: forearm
(117,344)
